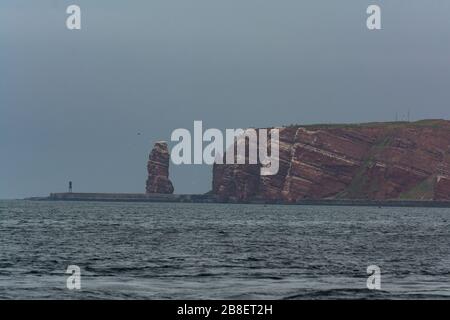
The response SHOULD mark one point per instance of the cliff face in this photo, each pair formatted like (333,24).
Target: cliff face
(369,161)
(158,170)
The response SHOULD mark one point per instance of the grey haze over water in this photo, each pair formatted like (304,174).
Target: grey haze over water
(72,103)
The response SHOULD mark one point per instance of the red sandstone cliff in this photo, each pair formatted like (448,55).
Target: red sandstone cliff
(158,170)
(375,161)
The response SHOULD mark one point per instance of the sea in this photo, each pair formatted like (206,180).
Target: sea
(221,251)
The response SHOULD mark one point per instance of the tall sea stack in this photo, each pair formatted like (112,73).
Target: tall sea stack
(158,170)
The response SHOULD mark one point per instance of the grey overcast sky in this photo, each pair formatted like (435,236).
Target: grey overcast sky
(73,102)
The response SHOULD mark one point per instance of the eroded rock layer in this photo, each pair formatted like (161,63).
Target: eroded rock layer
(376,161)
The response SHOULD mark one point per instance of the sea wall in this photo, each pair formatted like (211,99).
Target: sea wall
(129,197)
(209,198)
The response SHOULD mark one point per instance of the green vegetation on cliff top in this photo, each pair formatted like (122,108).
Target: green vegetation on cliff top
(435,123)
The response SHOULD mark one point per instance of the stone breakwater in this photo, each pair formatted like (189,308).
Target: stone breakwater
(127,197)
(210,198)
(374,161)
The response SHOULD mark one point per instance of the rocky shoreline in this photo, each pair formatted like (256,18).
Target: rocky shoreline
(373,164)
(209,198)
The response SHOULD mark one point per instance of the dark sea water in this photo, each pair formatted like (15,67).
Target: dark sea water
(212,251)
